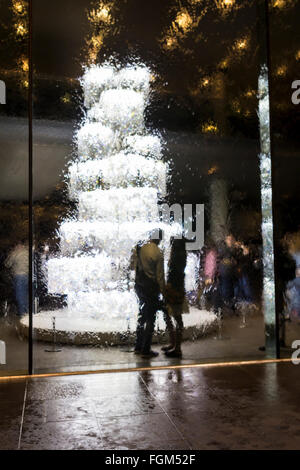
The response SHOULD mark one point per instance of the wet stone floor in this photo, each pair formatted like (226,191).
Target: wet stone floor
(224,407)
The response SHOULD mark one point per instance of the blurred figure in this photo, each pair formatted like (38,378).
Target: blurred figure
(148,262)
(287,283)
(175,298)
(210,276)
(18,262)
(243,291)
(293,297)
(227,272)
(6,288)
(292,244)
(210,264)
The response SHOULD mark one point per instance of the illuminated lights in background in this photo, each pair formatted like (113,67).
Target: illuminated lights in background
(18,6)
(20,24)
(102,14)
(24,64)
(21,29)
(212,170)
(101,20)
(94,46)
(184,20)
(280,4)
(225,6)
(224,64)
(236,106)
(241,45)
(20,11)
(205,81)
(282,70)
(209,128)
(250,93)
(66,99)
(169,43)
(184,23)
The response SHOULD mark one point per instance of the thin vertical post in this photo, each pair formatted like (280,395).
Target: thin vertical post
(269,66)
(266,173)
(30,193)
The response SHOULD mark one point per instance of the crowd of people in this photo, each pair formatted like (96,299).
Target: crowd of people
(291,242)
(224,281)
(227,271)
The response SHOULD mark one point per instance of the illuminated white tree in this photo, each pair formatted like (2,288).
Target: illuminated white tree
(117,178)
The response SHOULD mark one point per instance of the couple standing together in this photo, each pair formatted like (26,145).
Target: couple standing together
(154,294)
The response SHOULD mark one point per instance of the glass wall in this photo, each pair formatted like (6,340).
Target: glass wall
(285,57)
(155,197)
(146,126)
(14,228)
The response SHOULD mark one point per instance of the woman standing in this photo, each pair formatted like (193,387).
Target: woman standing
(18,262)
(176,303)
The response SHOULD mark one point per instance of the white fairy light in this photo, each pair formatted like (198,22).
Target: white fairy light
(95,80)
(147,145)
(115,239)
(95,141)
(119,204)
(135,78)
(122,110)
(117,171)
(95,305)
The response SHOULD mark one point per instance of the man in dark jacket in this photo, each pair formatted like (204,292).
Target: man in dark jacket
(148,263)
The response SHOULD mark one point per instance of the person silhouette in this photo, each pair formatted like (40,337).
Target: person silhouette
(149,286)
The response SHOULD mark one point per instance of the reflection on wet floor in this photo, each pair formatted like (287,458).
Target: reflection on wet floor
(234,407)
(237,343)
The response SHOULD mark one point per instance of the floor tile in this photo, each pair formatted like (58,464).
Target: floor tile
(69,409)
(112,385)
(10,413)
(12,390)
(9,437)
(47,389)
(216,430)
(138,432)
(66,435)
(126,405)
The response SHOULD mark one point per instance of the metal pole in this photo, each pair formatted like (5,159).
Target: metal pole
(54,348)
(30,194)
